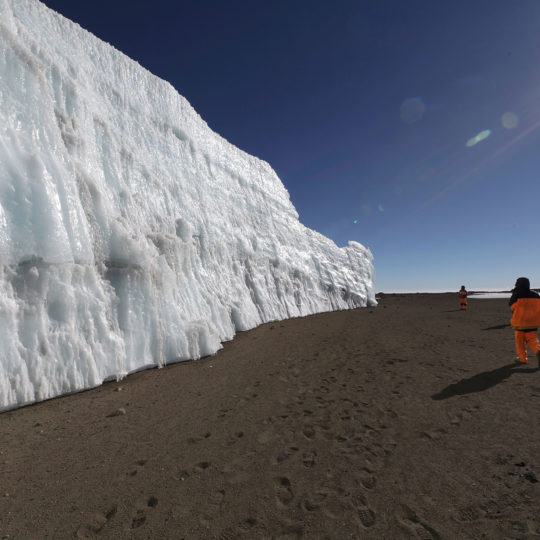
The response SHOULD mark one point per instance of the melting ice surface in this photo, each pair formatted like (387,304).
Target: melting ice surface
(131,235)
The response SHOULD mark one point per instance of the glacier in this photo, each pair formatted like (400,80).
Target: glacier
(132,235)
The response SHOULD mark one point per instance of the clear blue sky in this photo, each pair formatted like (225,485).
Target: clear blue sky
(365,109)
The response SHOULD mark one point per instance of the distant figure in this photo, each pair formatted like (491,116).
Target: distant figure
(525,319)
(463,298)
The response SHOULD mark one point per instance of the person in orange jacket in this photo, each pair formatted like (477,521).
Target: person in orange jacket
(525,319)
(463,298)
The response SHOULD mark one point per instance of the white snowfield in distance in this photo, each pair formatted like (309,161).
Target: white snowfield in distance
(131,235)
(490,295)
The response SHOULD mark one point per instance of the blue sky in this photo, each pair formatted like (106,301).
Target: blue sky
(365,109)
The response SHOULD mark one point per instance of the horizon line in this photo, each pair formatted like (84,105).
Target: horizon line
(435,291)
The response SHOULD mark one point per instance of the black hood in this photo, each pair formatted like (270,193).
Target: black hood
(523,284)
(522,290)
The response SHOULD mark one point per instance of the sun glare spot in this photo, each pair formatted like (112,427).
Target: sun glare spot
(478,138)
(412,110)
(509,120)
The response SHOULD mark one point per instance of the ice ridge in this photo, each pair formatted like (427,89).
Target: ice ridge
(131,234)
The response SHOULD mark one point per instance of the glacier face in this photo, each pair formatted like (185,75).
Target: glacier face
(131,235)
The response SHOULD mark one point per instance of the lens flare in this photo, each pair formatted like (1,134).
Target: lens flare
(412,110)
(380,208)
(478,138)
(509,120)
(355,221)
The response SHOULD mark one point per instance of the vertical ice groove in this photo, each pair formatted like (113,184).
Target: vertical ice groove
(131,235)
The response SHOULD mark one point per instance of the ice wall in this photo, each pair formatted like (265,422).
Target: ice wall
(131,235)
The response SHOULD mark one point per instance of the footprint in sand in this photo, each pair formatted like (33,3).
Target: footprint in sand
(467,514)
(182,475)
(201,466)
(284,493)
(308,459)
(286,454)
(367,479)
(233,440)
(140,517)
(414,525)
(244,529)
(309,506)
(290,531)
(96,523)
(216,500)
(434,434)
(365,515)
(235,472)
(223,413)
(195,440)
(421,530)
(139,463)
(309,433)
(314,500)
(266,436)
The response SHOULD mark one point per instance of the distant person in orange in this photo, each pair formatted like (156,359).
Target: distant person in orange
(463,297)
(525,319)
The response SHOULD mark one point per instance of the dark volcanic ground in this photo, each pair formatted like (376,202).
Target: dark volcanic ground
(408,420)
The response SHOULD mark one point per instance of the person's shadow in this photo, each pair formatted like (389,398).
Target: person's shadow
(498,327)
(482,381)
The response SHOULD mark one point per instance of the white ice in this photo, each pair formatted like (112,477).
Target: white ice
(131,235)
(490,295)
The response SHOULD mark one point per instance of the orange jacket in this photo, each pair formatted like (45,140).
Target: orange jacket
(526,314)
